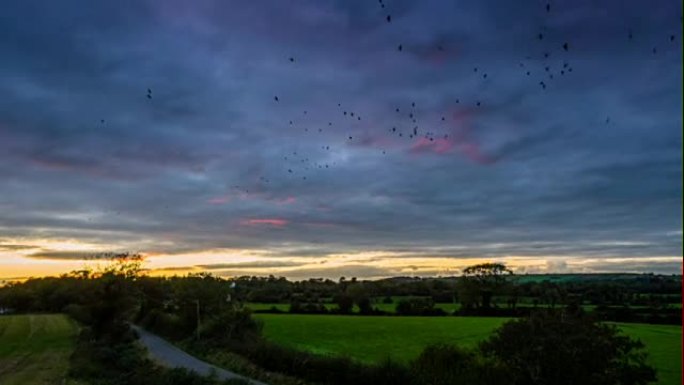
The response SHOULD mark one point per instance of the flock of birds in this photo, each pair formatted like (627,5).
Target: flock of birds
(410,124)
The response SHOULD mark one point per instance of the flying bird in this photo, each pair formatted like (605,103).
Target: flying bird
(389,18)
(565,46)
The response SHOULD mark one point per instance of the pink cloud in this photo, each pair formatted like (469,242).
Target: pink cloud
(220,200)
(287,201)
(436,146)
(276,222)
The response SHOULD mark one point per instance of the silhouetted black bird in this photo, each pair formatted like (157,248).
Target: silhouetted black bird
(672,37)
(542,84)
(457,101)
(541,36)
(350,138)
(528,73)
(548,7)
(565,46)
(413,104)
(102,121)
(399,48)
(475,69)
(443,118)
(292,60)
(389,18)
(629,35)
(478,104)
(484,76)
(275,98)
(397,110)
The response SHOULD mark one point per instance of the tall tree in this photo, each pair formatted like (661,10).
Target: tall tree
(482,280)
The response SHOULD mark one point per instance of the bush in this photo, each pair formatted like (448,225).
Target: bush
(230,326)
(450,365)
(559,347)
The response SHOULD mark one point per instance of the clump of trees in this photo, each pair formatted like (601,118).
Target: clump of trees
(424,306)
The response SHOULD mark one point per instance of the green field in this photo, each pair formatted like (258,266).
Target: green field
(35,349)
(373,339)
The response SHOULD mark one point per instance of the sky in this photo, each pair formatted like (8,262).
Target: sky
(328,138)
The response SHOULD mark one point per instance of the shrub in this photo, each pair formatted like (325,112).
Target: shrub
(559,347)
(234,325)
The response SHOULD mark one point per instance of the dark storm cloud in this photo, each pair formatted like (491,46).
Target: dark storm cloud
(67,255)
(576,170)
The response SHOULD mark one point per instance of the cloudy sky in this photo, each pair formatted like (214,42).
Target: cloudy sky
(322,138)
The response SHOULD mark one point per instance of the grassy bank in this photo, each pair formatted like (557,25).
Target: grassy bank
(35,348)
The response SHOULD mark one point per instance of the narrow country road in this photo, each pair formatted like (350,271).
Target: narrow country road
(168,355)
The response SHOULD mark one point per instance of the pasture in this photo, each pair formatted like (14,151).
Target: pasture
(373,339)
(35,349)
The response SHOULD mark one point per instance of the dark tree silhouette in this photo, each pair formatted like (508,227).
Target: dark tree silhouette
(564,348)
(482,281)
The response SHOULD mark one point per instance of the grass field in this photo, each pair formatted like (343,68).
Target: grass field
(35,349)
(373,339)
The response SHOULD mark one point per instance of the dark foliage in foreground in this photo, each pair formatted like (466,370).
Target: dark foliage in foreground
(566,348)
